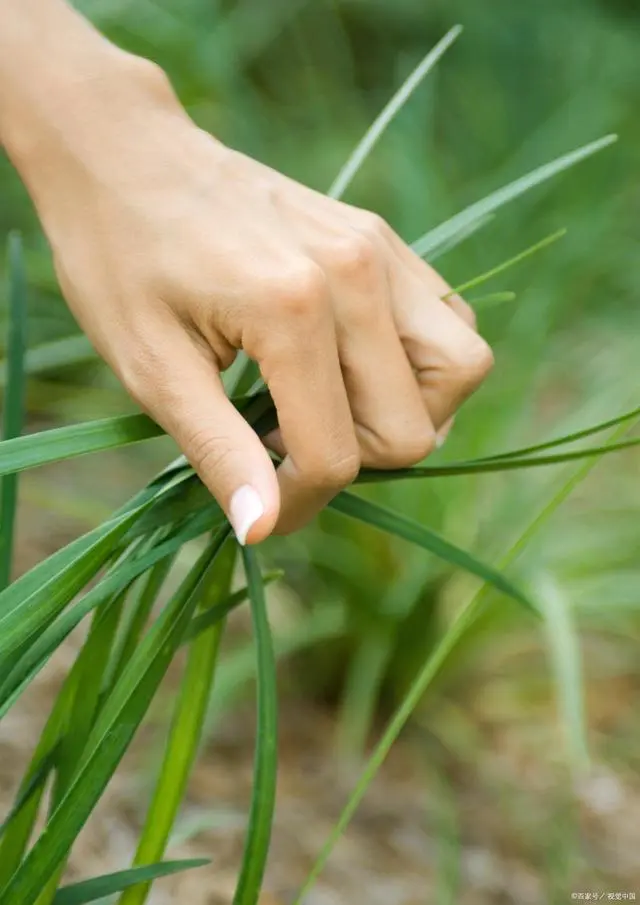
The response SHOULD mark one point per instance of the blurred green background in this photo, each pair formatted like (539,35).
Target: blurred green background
(296,83)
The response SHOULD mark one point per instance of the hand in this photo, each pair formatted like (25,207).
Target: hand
(174,252)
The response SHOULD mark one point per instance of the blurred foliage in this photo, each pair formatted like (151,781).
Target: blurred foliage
(296,83)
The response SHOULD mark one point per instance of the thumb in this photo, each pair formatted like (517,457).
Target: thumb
(188,400)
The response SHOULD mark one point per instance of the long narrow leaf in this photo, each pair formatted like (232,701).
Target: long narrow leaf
(481,466)
(466,218)
(186,728)
(99,888)
(13,408)
(258,838)
(414,532)
(397,102)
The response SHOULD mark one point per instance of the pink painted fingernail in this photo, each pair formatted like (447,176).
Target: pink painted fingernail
(245,509)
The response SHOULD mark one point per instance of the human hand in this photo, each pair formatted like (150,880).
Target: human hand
(174,251)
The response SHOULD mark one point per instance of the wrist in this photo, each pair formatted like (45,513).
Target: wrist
(65,92)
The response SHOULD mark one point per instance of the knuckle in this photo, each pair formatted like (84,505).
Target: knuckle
(300,293)
(404,448)
(333,472)
(373,226)
(353,256)
(472,363)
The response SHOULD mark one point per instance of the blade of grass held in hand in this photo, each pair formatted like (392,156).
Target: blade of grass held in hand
(450,228)
(397,102)
(493,298)
(482,466)
(13,403)
(256,848)
(414,532)
(99,888)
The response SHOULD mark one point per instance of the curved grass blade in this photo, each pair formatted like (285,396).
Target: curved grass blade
(394,523)
(258,837)
(35,783)
(466,218)
(18,833)
(563,645)
(567,438)
(397,102)
(492,299)
(52,355)
(99,888)
(459,237)
(13,407)
(45,447)
(16,676)
(115,726)
(484,466)
(78,440)
(186,728)
(505,265)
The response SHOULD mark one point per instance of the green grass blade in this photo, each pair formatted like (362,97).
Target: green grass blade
(459,237)
(466,218)
(483,302)
(27,617)
(13,406)
(33,788)
(60,443)
(136,619)
(18,833)
(568,438)
(115,726)
(258,837)
(32,660)
(186,729)
(510,262)
(99,888)
(53,355)
(382,121)
(414,532)
(482,466)
(564,653)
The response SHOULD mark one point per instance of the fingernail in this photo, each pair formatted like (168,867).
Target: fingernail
(440,440)
(245,509)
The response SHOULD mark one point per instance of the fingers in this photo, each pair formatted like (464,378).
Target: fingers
(179,385)
(450,359)
(295,345)
(391,421)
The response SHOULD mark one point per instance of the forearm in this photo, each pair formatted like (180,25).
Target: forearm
(63,89)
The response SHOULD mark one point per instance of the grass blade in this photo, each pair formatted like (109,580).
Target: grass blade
(492,299)
(564,652)
(13,408)
(414,532)
(466,218)
(186,728)
(258,838)
(483,466)
(110,884)
(510,262)
(397,102)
